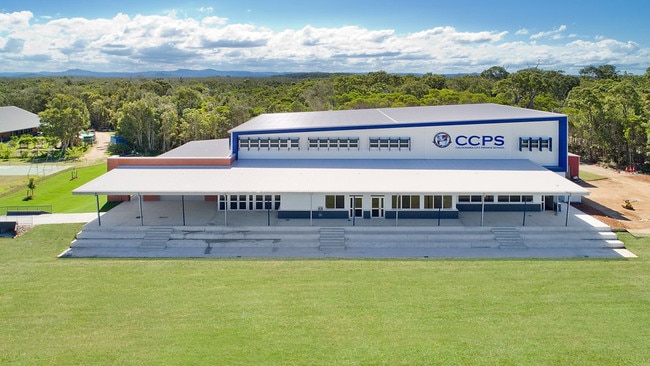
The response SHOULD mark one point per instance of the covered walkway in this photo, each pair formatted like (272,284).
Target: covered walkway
(204,213)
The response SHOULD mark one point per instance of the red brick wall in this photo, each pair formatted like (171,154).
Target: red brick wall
(115,162)
(118,161)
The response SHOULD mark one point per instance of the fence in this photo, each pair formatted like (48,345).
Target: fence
(24,210)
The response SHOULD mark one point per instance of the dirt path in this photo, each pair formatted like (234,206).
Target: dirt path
(98,151)
(608,195)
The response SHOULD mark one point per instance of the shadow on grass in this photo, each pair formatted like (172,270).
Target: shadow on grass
(108,206)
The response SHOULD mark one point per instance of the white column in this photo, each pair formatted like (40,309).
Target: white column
(568,204)
(482,208)
(141,214)
(225,211)
(99,217)
(311,209)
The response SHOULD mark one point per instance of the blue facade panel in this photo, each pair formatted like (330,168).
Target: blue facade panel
(495,207)
(429,214)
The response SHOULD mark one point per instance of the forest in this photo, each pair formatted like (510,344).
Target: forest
(609,111)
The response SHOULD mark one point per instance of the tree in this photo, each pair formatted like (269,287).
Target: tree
(64,117)
(166,112)
(31,186)
(495,73)
(600,72)
(138,125)
(319,95)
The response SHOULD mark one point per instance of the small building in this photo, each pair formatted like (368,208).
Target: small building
(17,122)
(373,164)
(87,137)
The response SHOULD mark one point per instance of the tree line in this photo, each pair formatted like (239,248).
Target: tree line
(608,111)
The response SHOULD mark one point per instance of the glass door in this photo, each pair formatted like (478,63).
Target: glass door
(356,206)
(377,209)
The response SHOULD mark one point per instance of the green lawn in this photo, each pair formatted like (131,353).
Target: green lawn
(55,190)
(318,312)
(586,176)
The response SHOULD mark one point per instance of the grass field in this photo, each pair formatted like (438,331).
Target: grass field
(55,190)
(587,176)
(318,312)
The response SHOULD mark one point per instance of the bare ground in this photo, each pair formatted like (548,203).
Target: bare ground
(99,149)
(608,195)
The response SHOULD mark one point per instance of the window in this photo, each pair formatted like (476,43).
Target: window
(389,143)
(406,201)
(294,143)
(537,143)
(437,201)
(333,143)
(249,202)
(334,202)
(276,203)
(259,202)
(238,202)
(269,143)
(515,199)
(468,198)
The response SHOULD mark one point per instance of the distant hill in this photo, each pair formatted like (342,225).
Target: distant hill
(180,73)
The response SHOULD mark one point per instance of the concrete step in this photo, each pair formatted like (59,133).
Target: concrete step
(508,238)
(156,238)
(342,238)
(331,238)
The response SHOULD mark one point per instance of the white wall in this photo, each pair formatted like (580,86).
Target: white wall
(484,141)
(298,201)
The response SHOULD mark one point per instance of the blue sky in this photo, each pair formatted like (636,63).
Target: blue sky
(437,36)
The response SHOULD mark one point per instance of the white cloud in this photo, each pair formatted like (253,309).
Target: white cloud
(165,42)
(554,34)
(13,22)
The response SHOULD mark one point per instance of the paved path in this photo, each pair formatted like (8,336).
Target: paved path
(44,219)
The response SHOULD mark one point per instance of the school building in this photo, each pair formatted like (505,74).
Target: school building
(430,162)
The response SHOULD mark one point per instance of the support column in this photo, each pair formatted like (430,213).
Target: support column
(399,204)
(141,214)
(183,207)
(354,209)
(99,217)
(568,204)
(225,210)
(482,208)
(311,209)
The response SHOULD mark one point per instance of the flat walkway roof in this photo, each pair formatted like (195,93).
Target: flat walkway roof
(338,176)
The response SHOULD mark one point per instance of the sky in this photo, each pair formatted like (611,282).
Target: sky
(398,36)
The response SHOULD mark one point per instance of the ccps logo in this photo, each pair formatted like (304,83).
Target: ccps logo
(442,139)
